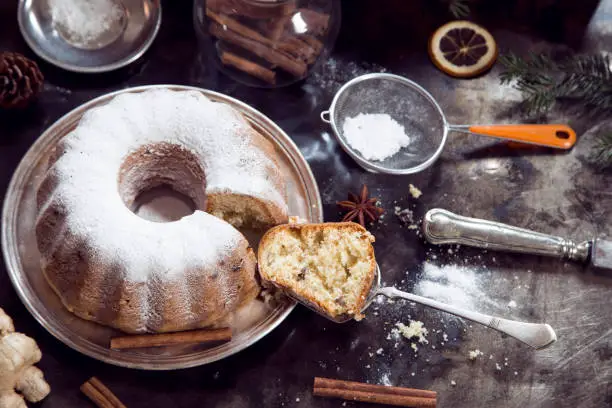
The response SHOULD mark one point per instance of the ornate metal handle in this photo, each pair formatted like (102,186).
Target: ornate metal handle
(444,227)
(535,335)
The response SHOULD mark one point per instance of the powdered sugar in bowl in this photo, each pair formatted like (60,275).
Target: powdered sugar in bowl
(89,36)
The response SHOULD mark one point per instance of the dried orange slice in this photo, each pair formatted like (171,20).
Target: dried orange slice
(462,49)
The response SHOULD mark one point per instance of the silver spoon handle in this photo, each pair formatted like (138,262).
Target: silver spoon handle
(535,335)
(444,227)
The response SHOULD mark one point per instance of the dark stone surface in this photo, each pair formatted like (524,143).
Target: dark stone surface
(534,188)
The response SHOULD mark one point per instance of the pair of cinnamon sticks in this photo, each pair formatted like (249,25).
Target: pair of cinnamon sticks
(100,395)
(378,394)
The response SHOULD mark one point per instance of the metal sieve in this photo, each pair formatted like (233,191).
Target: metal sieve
(423,120)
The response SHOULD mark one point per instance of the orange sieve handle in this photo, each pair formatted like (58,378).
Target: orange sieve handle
(554,135)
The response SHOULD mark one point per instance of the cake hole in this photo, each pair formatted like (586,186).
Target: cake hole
(162,182)
(163,204)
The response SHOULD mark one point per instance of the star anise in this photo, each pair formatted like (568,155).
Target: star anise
(361,207)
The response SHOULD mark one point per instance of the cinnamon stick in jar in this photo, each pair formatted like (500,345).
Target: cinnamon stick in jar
(275,57)
(249,67)
(257,10)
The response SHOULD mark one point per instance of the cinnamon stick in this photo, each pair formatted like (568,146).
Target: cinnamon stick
(276,28)
(299,49)
(108,394)
(100,395)
(355,391)
(170,339)
(320,382)
(241,29)
(275,57)
(95,396)
(252,9)
(313,42)
(251,68)
(371,397)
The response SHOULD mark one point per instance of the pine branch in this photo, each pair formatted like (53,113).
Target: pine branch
(584,79)
(459,8)
(602,152)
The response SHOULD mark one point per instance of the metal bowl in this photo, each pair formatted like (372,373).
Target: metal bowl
(22,258)
(123,41)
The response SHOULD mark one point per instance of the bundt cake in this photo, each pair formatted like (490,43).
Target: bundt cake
(113,267)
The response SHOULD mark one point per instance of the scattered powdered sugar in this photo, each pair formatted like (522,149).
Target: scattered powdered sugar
(385,380)
(376,136)
(473,354)
(335,72)
(453,284)
(85,22)
(406,216)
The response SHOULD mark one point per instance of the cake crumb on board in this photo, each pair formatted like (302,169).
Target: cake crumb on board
(415,329)
(473,354)
(414,191)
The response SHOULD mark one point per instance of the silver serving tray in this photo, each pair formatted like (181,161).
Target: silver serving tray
(22,258)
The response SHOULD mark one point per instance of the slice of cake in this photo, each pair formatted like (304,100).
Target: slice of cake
(329,266)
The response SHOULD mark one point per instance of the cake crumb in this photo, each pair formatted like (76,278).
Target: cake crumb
(406,215)
(414,329)
(453,383)
(379,351)
(414,192)
(473,354)
(498,367)
(297,399)
(512,304)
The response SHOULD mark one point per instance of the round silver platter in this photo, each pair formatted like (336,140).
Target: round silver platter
(22,258)
(124,39)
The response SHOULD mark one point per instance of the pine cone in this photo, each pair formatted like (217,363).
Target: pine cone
(20,80)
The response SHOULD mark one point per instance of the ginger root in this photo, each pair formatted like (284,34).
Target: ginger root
(18,376)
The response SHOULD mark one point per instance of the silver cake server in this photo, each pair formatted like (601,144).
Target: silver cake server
(444,227)
(535,335)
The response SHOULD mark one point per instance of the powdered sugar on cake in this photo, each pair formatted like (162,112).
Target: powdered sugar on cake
(100,144)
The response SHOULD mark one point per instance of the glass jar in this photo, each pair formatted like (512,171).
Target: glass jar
(267,43)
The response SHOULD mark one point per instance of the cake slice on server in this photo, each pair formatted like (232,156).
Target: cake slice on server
(330,267)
